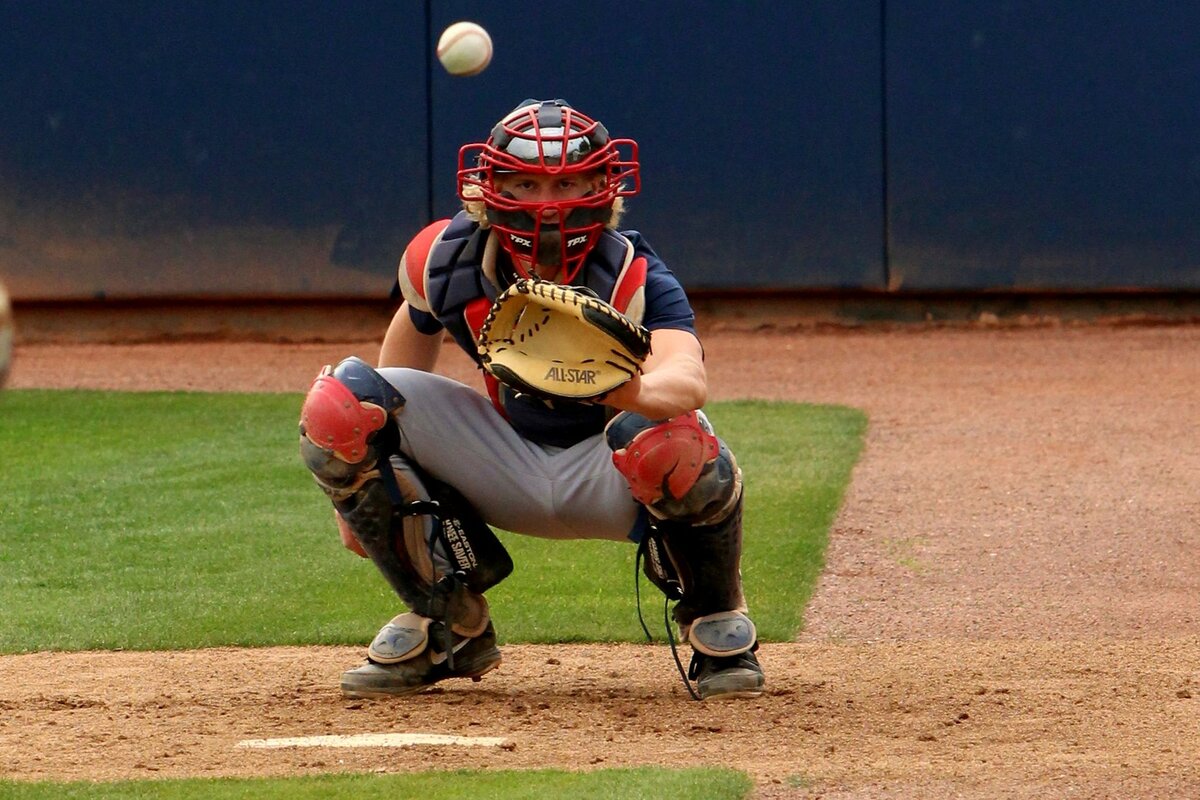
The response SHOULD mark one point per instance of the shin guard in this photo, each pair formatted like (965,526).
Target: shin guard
(423,536)
(707,559)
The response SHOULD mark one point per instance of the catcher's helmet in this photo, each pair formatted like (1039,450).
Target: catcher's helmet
(548,137)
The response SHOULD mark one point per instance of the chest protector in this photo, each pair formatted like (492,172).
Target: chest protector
(451,271)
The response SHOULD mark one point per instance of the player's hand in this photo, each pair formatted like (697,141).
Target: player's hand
(349,540)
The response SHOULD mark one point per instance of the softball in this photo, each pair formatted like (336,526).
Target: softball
(465,49)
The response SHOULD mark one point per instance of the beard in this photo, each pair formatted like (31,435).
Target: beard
(549,248)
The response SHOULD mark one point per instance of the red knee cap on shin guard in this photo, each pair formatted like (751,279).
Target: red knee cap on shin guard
(335,420)
(666,459)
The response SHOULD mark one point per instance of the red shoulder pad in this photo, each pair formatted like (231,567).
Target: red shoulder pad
(414,262)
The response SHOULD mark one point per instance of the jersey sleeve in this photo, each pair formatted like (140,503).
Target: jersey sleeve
(424,321)
(667,305)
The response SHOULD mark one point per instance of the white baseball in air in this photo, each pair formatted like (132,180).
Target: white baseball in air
(465,49)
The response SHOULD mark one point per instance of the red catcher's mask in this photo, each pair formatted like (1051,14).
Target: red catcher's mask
(548,137)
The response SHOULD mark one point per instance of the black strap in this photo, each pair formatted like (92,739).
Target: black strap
(675,652)
(637,584)
(643,546)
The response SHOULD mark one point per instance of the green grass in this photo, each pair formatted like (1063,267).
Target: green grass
(622,784)
(177,520)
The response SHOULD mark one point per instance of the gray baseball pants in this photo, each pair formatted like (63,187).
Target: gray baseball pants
(457,436)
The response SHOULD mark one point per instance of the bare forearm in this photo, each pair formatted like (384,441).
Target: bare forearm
(674,388)
(405,346)
(674,381)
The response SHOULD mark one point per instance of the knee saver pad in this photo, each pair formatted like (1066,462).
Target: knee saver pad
(415,547)
(677,468)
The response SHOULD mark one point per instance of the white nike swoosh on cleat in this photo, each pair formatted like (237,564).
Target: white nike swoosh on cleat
(437,658)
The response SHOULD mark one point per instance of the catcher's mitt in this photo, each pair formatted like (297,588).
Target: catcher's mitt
(560,342)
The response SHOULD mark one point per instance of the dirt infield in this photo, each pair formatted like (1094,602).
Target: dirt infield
(1011,604)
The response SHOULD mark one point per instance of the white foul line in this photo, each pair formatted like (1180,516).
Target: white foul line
(374,740)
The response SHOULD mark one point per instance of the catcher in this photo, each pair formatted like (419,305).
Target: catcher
(591,425)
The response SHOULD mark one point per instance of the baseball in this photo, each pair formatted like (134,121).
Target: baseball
(465,49)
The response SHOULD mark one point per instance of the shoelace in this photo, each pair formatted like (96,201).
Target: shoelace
(678,595)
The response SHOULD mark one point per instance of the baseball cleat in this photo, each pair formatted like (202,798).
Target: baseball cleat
(472,658)
(727,678)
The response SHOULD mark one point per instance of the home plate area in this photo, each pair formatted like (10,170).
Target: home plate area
(373,740)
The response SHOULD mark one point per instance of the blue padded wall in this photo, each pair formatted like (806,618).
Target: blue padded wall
(1043,145)
(209,146)
(291,147)
(758,125)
